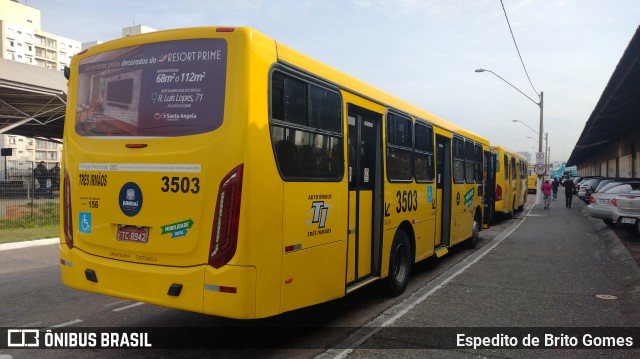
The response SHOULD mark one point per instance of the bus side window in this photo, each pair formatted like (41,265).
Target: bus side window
(308,163)
(458,160)
(306,123)
(287,158)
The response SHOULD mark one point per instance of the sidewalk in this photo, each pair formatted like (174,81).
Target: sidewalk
(553,272)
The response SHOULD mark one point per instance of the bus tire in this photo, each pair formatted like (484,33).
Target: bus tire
(512,210)
(400,262)
(472,241)
(509,215)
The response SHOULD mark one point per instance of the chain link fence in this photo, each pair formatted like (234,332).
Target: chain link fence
(28,198)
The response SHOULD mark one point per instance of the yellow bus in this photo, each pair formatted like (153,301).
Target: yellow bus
(511,185)
(522,163)
(532,180)
(215,170)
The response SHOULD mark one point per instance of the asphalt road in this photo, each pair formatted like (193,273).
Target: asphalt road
(32,295)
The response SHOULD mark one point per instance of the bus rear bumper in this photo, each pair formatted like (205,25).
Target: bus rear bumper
(228,291)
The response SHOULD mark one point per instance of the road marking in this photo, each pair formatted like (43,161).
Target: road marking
(116,303)
(127,307)
(67,323)
(389,316)
(34,324)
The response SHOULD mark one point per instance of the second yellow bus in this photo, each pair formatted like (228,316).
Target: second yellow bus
(511,181)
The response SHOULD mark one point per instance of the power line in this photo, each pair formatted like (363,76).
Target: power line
(517,49)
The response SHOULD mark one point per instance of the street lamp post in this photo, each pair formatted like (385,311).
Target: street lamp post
(540,132)
(534,131)
(547,152)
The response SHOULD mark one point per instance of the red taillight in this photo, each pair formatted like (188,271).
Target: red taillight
(498,193)
(224,234)
(591,199)
(614,202)
(68,220)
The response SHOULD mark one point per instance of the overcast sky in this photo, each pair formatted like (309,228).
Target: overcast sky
(422,51)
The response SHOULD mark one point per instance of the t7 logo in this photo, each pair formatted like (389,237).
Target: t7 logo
(318,214)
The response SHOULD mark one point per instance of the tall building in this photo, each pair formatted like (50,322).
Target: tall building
(136,30)
(22,38)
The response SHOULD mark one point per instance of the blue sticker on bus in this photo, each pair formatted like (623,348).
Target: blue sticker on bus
(84,220)
(429,194)
(130,199)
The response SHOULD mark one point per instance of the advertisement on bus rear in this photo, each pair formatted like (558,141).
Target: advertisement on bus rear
(170,88)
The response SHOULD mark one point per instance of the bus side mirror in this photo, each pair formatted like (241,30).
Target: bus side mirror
(67,72)
(480,190)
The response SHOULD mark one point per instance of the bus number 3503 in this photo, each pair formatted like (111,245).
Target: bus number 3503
(407,201)
(180,184)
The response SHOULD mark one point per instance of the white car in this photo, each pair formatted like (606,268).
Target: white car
(588,187)
(626,210)
(600,205)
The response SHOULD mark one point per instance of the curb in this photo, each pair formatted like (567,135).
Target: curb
(25,244)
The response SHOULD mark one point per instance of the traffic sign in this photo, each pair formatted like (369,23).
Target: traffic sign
(540,169)
(539,157)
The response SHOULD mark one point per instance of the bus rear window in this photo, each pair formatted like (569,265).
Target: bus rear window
(162,89)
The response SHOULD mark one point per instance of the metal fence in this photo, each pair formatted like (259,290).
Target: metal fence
(26,201)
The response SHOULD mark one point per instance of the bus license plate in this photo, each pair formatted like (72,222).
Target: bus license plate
(627,220)
(132,234)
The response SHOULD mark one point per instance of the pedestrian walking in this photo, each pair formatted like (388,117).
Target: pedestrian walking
(54,175)
(568,191)
(555,184)
(547,188)
(41,174)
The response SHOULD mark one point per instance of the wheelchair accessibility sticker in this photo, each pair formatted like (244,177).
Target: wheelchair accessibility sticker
(85,222)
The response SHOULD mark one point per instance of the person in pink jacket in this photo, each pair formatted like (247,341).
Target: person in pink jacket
(546,192)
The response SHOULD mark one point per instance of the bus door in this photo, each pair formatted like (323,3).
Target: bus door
(513,181)
(506,188)
(443,190)
(489,188)
(364,146)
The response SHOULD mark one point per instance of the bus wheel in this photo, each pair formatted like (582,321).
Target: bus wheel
(475,233)
(399,264)
(509,214)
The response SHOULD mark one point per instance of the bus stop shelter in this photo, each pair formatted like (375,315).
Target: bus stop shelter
(32,100)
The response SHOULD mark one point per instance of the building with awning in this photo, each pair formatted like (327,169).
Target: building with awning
(610,141)
(32,100)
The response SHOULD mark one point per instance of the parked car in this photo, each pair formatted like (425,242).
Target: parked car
(626,210)
(600,205)
(587,187)
(576,183)
(609,186)
(604,182)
